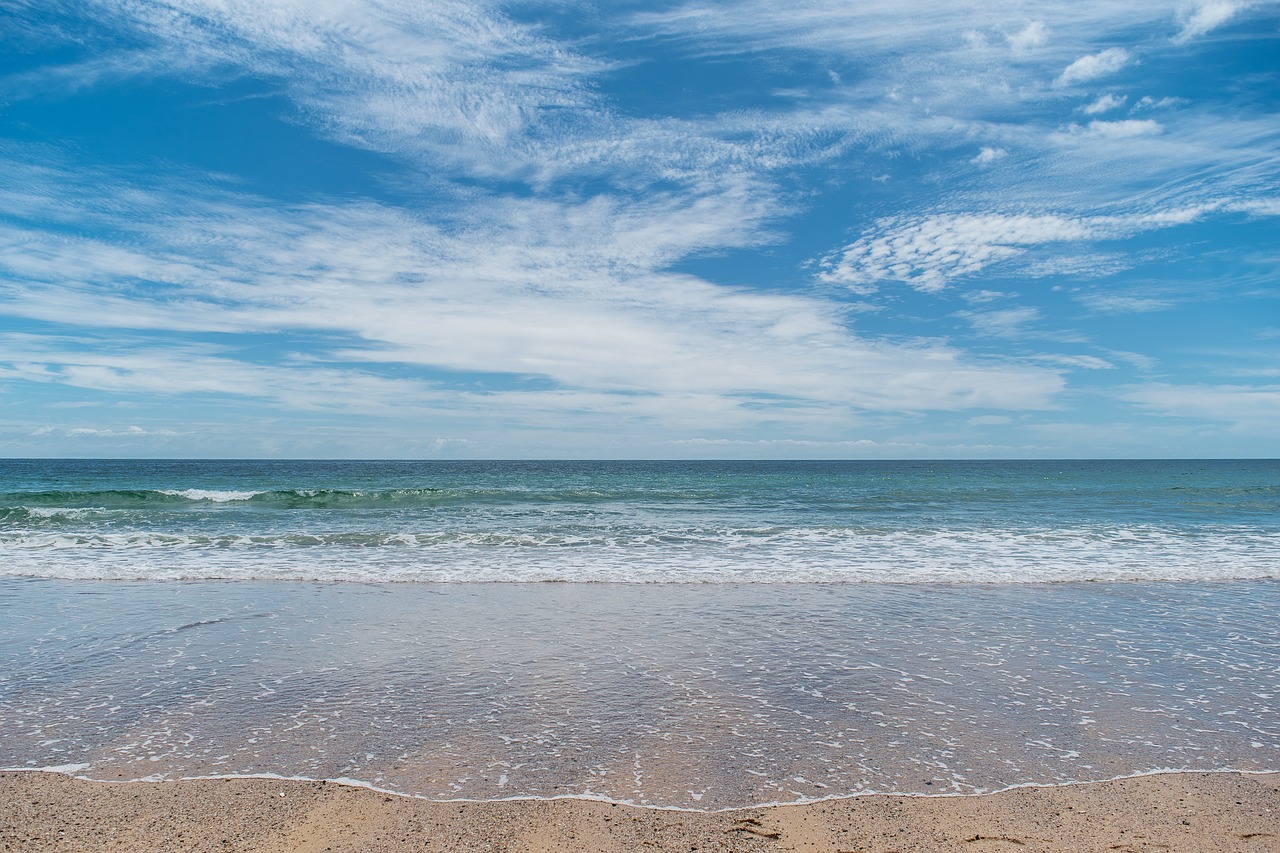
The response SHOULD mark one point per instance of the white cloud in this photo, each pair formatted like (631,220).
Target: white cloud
(460,89)
(1084,362)
(575,293)
(1093,66)
(454,80)
(132,431)
(155,368)
(1124,129)
(578,291)
(1205,17)
(1139,360)
(1123,303)
(1003,323)
(1149,103)
(1254,408)
(1034,34)
(989,155)
(458,85)
(980,297)
(453,87)
(853,29)
(928,252)
(1079,265)
(1258,206)
(926,74)
(1104,104)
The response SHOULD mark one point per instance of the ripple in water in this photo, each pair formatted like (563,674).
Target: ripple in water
(684,696)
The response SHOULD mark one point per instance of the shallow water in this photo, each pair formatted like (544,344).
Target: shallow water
(683,695)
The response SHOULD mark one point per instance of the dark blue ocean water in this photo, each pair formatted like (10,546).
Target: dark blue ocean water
(764,632)
(1025,521)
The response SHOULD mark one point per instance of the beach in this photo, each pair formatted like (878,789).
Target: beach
(703,425)
(624,656)
(1179,812)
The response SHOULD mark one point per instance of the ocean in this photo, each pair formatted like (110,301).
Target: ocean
(631,522)
(678,634)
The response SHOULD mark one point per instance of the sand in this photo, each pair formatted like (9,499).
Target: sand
(1176,811)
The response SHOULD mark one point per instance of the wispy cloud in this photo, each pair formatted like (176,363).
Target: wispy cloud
(1206,16)
(1124,303)
(604,225)
(1080,265)
(1093,66)
(1149,103)
(836,27)
(1105,103)
(929,252)
(454,80)
(156,368)
(1083,362)
(1124,128)
(1005,322)
(577,294)
(1254,408)
(456,84)
(132,431)
(1033,35)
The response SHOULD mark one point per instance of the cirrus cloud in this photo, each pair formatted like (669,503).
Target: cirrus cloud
(1207,16)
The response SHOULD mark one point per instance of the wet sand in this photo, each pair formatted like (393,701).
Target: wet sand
(1177,811)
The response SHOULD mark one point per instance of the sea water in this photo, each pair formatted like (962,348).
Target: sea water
(696,635)
(988,522)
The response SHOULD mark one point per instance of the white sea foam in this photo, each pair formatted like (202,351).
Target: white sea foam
(64,769)
(211,495)
(76,771)
(753,556)
(60,512)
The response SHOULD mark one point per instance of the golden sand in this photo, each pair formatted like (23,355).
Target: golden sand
(1177,811)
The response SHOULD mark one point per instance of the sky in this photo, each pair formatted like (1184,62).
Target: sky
(812,229)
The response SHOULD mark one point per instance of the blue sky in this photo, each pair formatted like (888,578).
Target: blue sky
(682,229)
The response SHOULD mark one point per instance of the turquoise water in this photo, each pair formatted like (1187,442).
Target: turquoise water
(721,634)
(642,522)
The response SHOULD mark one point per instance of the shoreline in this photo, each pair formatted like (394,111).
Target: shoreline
(72,771)
(1185,811)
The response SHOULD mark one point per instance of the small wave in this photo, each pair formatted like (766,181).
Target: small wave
(318,498)
(97,498)
(61,500)
(211,495)
(42,516)
(55,501)
(346,498)
(746,556)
